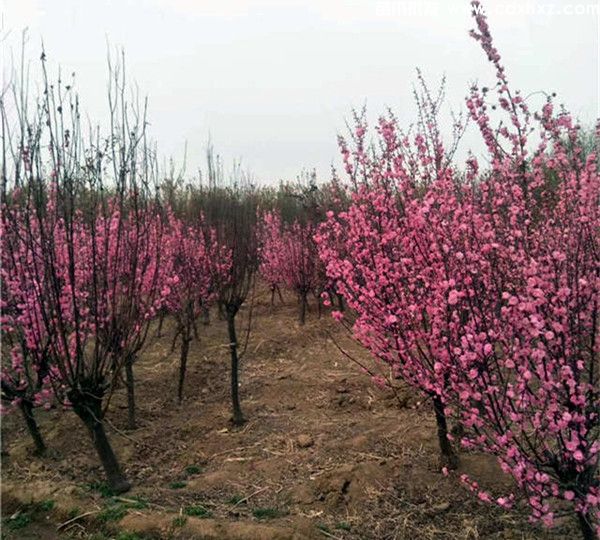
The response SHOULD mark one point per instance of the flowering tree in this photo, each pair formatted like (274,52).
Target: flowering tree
(24,368)
(230,211)
(526,367)
(271,253)
(192,259)
(482,290)
(300,268)
(288,255)
(384,255)
(134,247)
(82,253)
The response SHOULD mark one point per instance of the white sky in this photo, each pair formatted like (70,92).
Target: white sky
(273,80)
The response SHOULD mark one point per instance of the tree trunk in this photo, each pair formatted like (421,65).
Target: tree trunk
(272,295)
(38,442)
(89,410)
(195,327)
(587,529)
(303,304)
(279,293)
(448,457)
(205,316)
(130,382)
(3,445)
(161,320)
(185,347)
(238,417)
(340,299)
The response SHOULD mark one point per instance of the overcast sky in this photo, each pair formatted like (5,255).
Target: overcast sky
(273,81)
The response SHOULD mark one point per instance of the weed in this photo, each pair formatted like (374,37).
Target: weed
(192,469)
(73,512)
(102,488)
(343,526)
(236,499)
(197,511)
(46,505)
(98,536)
(179,521)
(18,521)
(266,513)
(112,513)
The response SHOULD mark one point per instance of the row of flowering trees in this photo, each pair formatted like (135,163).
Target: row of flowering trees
(482,290)
(287,249)
(91,255)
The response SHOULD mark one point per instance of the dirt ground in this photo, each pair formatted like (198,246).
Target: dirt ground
(324,452)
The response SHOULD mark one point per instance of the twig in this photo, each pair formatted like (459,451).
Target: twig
(250,311)
(236,449)
(251,495)
(372,456)
(360,364)
(330,535)
(134,501)
(247,426)
(63,525)
(117,430)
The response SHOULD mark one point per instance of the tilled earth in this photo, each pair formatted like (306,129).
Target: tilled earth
(324,452)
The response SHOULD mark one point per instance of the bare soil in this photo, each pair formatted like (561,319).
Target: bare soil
(324,453)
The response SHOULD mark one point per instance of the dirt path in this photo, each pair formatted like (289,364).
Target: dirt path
(324,454)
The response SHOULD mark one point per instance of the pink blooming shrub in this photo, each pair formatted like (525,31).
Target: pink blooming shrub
(384,255)
(482,289)
(191,259)
(531,335)
(288,255)
(86,291)
(271,253)
(24,368)
(81,254)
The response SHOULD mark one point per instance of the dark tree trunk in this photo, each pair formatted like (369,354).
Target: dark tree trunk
(185,347)
(195,327)
(130,382)
(89,409)
(587,529)
(238,417)
(27,410)
(303,305)
(205,316)
(341,303)
(3,445)
(161,320)
(276,289)
(448,456)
